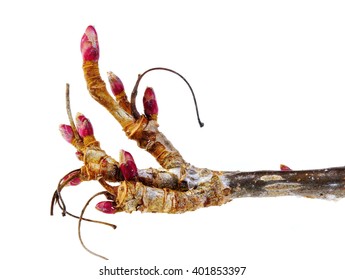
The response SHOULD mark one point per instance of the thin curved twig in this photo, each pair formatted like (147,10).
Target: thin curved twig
(134,110)
(79,225)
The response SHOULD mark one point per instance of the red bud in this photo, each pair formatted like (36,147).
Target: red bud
(150,104)
(83,125)
(75,181)
(107,207)
(127,166)
(283,167)
(89,45)
(115,83)
(66,132)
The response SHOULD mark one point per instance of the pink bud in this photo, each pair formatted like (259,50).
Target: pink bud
(75,181)
(89,45)
(150,104)
(115,83)
(66,132)
(84,125)
(283,167)
(107,207)
(127,166)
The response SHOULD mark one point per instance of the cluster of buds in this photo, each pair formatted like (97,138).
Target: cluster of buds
(127,165)
(129,171)
(84,129)
(90,53)
(149,99)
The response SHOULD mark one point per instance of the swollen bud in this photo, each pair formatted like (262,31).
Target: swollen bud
(150,104)
(115,84)
(283,167)
(107,207)
(84,126)
(66,132)
(127,166)
(89,45)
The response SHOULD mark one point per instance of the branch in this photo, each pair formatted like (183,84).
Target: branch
(321,183)
(179,186)
(143,130)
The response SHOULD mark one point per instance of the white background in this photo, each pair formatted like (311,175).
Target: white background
(269,80)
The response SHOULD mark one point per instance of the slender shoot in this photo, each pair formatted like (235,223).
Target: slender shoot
(69,114)
(79,224)
(57,198)
(57,194)
(135,112)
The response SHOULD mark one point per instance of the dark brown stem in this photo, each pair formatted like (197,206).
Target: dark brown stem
(79,225)
(134,110)
(326,183)
(158,178)
(57,194)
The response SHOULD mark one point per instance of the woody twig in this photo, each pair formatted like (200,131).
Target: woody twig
(179,186)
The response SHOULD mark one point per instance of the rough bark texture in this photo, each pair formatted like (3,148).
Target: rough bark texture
(322,183)
(179,186)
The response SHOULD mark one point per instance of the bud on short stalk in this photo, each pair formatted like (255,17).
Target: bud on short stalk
(84,126)
(127,166)
(89,45)
(150,104)
(115,84)
(107,207)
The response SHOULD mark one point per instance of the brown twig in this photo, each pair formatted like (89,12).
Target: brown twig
(134,110)
(179,186)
